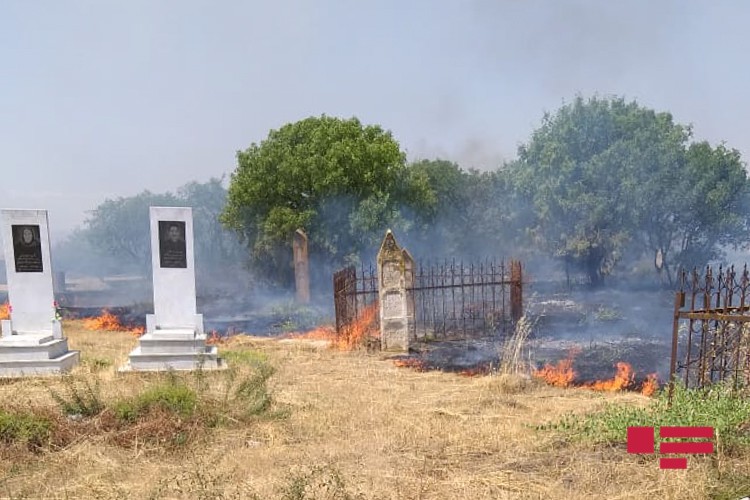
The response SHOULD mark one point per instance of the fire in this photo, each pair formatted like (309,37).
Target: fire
(111,323)
(352,336)
(650,385)
(563,375)
(355,334)
(623,379)
(560,375)
(213,338)
(5,311)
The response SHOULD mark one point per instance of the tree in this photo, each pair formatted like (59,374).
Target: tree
(471,213)
(119,228)
(714,206)
(215,247)
(603,173)
(342,182)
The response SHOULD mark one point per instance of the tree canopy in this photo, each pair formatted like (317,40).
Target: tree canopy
(118,228)
(343,182)
(605,173)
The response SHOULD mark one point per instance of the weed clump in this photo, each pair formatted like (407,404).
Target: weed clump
(24,428)
(172,397)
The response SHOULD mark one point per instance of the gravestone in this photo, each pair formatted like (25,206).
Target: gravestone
(394,309)
(301,267)
(174,337)
(32,341)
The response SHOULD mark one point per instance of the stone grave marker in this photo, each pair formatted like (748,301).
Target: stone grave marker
(394,310)
(174,337)
(32,341)
(301,267)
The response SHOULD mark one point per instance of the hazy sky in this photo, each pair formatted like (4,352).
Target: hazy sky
(108,98)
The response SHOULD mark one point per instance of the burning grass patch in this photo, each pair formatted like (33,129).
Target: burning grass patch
(111,323)
(357,335)
(578,370)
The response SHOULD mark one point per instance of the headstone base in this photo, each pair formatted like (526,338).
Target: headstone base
(31,355)
(174,349)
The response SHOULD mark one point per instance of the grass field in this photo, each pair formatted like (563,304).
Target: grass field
(339,425)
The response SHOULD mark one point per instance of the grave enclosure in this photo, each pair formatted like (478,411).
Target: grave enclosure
(441,301)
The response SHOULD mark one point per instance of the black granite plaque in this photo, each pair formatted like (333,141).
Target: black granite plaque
(27,248)
(172,247)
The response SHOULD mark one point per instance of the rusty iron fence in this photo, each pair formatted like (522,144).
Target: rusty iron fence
(711,329)
(449,300)
(353,291)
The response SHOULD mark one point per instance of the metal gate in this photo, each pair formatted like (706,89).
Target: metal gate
(449,300)
(711,329)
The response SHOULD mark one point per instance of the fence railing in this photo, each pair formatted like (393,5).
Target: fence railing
(711,329)
(449,299)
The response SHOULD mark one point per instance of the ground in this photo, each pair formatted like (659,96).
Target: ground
(357,423)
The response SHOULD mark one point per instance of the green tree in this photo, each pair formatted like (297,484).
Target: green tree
(215,247)
(604,173)
(715,209)
(119,228)
(340,181)
(471,213)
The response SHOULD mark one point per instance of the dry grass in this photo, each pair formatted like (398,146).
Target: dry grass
(356,427)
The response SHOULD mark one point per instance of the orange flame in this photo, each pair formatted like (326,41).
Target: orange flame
(213,338)
(5,311)
(352,336)
(355,334)
(563,375)
(623,379)
(560,375)
(650,385)
(111,323)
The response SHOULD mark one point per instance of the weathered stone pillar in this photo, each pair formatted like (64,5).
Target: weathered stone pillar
(301,266)
(394,320)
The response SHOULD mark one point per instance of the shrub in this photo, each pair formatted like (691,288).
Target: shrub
(24,428)
(80,399)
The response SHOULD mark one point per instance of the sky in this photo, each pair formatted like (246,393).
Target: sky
(101,99)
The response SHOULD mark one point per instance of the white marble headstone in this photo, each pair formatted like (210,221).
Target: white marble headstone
(28,268)
(172,260)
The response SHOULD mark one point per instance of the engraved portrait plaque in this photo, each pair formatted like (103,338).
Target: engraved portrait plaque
(27,248)
(172,246)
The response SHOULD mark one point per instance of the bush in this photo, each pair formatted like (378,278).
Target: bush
(82,399)
(24,428)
